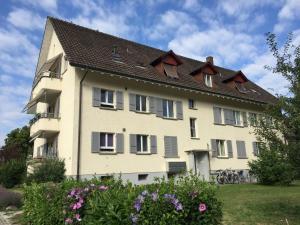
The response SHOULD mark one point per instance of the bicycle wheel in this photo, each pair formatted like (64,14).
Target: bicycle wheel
(236,179)
(220,179)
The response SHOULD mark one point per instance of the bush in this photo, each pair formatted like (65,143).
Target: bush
(272,168)
(9,198)
(12,173)
(50,170)
(187,200)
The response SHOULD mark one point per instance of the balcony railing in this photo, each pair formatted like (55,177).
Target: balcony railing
(43,115)
(46,152)
(48,74)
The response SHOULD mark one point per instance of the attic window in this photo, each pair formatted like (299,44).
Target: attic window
(115,54)
(240,87)
(170,70)
(208,80)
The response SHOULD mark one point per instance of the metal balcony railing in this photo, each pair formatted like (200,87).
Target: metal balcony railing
(43,115)
(48,74)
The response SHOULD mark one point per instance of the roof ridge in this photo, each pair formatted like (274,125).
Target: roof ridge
(133,42)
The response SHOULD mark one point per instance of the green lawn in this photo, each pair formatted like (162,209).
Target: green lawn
(260,205)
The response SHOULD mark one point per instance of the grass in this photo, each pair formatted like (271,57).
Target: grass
(255,204)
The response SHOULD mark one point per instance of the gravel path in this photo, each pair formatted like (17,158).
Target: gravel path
(3,221)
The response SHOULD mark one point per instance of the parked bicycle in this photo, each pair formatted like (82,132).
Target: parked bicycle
(228,176)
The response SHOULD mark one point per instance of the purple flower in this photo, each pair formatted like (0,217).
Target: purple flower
(169,196)
(68,221)
(154,196)
(141,198)
(103,188)
(202,207)
(144,193)
(134,218)
(178,207)
(137,205)
(77,217)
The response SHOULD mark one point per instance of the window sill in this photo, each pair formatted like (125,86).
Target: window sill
(142,112)
(108,108)
(146,153)
(195,138)
(107,153)
(193,108)
(170,157)
(169,118)
(240,126)
(242,157)
(221,124)
(222,157)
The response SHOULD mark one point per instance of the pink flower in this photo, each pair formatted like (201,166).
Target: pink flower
(69,221)
(103,188)
(77,217)
(202,207)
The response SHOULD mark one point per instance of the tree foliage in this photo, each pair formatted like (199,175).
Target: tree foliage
(281,139)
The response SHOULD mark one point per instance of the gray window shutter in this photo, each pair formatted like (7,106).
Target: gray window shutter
(119,100)
(255,150)
(228,114)
(152,105)
(132,102)
(95,142)
(245,119)
(170,146)
(217,115)
(96,97)
(241,149)
(120,143)
(229,149)
(179,110)
(153,144)
(133,143)
(159,107)
(214,148)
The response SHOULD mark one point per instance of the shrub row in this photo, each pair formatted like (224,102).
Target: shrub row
(186,200)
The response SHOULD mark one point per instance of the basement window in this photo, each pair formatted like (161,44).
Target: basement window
(142,177)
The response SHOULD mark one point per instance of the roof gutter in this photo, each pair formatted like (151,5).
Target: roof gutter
(164,83)
(79,127)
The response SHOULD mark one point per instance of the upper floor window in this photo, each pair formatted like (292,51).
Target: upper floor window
(193,127)
(237,118)
(141,103)
(191,104)
(168,108)
(107,98)
(208,80)
(221,149)
(106,142)
(253,119)
(142,143)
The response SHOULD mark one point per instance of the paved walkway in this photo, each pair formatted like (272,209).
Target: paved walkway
(3,221)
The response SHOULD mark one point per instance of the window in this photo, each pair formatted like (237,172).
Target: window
(253,119)
(221,148)
(191,104)
(193,127)
(240,87)
(142,143)
(142,177)
(106,142)
(208,80)
(256,148)
(141,103)
(168,108)
(237,118)
(107,98)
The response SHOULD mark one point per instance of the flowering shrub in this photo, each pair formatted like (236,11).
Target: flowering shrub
(186,200)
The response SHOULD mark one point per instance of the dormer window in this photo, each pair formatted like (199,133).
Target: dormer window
(115,54)
(240,87)
(170,70)
(208,80)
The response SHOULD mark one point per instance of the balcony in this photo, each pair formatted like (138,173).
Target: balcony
(45,151)
(44,125)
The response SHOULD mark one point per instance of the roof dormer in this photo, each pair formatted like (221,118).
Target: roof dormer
(237,81)
(167,64)
(206,72)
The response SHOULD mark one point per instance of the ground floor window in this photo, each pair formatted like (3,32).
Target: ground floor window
(142,143)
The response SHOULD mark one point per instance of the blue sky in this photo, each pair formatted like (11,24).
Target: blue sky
(230,30)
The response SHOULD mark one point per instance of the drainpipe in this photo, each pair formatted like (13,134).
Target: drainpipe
(79,126)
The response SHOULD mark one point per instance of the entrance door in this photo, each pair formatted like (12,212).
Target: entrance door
(202,164)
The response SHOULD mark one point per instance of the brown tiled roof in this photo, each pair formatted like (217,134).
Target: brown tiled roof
(91,49)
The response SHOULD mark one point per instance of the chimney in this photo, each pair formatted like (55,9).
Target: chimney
(210,59)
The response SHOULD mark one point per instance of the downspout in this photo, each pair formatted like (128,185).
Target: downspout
(79,126)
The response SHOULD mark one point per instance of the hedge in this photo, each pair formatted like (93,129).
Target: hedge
(186,200)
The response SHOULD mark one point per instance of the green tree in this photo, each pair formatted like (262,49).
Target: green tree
(19,138)
(279,158)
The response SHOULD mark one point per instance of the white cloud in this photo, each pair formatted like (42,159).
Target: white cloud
(290,10)
(227,47)
(191,4)
(46,5)
(23,18)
